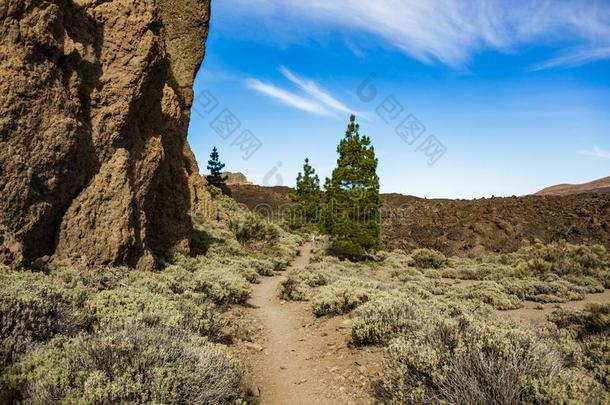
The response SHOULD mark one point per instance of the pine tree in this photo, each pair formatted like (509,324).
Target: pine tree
(215,166)
(351,214)
(307,195)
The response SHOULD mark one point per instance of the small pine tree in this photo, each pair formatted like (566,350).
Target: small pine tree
(307,195)
(215,166)
(351,214)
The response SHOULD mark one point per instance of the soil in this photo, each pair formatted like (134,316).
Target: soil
(295,358)
(534,312)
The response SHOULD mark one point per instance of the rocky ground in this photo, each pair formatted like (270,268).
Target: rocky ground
(469,227)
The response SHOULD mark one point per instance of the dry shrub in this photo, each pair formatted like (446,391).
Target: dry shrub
(551,290)
(468,361)
(127,363)
(296,287)
(594,319)
(427,258)
(468,269)
(381,320)
(491,293)
(33,309)
(342,297)
(222,287)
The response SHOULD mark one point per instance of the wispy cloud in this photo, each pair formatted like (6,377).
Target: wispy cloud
(287,97)
(315,100)
(596,152)
(576,58)
(452,31)
(316,92)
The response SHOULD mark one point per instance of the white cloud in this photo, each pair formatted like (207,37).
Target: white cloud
(576,58)
(448,31)
(596,152)
(316,92)
(288,98)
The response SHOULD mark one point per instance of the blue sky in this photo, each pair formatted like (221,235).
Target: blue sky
(490,97)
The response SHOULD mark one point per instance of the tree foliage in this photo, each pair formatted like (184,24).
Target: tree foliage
(351,213)
(215,166)
(307,195)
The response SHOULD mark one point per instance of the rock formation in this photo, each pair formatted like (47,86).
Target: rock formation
(95,168)
(236,179)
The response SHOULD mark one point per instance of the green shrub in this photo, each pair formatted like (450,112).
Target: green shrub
(114,306)
(296,287)
(381,320)
(552,291)
(563,259)
(427,258)
(250,228)
(341,297)
(33,309)
(293,289)
(223,287)
(594,319)
(468,361)
(491,293)
(468,269)
(597,358)
(127,363)
(431,273)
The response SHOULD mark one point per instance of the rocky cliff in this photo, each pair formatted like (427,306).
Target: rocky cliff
(95,167)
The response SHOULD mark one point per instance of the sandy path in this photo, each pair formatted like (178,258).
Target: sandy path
(304,360)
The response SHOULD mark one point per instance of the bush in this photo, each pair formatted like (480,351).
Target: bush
(381,320)
(471,362)
(33,310)
(491,293)
(552,291)
(223,287)
(341,297)
(562,259)
(597,358)
(129,363)
(468,269)
(293,289)
(296,287)
(426,259)
(250,228)
(594,319)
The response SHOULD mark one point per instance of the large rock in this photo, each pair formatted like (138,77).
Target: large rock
(94,109)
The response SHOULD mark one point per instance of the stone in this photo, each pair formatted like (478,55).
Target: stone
(95,167)
(254,346)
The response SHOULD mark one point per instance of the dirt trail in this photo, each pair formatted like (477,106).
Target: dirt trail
(303,360)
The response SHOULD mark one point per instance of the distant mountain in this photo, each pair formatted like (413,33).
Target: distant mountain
(597,186)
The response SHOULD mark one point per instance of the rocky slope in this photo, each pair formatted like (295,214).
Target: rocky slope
(469,227)
(596,186)
(96,96)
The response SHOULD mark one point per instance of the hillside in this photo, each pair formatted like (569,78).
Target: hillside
(596,186)
(470,227)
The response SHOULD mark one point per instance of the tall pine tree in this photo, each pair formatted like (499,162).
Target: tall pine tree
(307,195)
(215,167)
(351,214)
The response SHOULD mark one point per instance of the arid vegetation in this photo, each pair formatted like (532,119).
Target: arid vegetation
(444,341)
(110,335)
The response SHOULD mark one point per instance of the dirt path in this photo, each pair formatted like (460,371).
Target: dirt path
(298,359)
